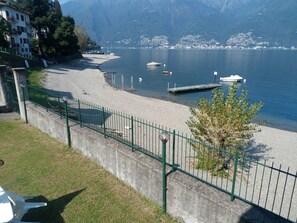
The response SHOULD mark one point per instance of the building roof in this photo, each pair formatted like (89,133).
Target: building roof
(9,4)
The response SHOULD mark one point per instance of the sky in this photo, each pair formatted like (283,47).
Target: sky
(63,1)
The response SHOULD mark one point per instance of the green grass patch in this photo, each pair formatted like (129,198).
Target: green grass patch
(76,189)
(36,76)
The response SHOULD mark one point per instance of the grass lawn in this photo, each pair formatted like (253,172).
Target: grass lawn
(76,189)
(36,76)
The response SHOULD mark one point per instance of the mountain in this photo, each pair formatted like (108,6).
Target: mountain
(187,23)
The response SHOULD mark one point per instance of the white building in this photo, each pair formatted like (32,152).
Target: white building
(21,36)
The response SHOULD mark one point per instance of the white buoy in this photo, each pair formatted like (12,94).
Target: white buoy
(140,79)
(215,74)
(244,80)
(164,65)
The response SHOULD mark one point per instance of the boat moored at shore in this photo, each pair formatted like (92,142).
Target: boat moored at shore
(232,78)
(167,72)
(153,64)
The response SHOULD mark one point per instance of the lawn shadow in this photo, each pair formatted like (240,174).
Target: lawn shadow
(52,212)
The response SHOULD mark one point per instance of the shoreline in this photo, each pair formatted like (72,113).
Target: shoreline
(83,75)
(163,98)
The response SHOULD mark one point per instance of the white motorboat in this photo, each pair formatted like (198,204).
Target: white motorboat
(232,78)
(153,64)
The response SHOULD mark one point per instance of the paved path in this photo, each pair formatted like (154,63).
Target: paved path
(9,116)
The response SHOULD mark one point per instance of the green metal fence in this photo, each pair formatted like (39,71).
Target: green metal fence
(16,53)
(237,174)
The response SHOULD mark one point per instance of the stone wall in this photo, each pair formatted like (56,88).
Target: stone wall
(188,200)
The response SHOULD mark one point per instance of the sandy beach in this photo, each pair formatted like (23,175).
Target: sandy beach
(83,80)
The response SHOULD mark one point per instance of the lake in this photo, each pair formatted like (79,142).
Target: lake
(271,77)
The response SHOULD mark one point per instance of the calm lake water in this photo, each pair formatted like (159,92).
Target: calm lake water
(271,77)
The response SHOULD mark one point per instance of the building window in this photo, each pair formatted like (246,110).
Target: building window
(12,41)
(21,29)
(17,15)
(22,18)
(7,14)
(22,49)
(21,40)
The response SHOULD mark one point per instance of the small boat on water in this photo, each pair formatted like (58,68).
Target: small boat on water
(153,64)
(167,72)
(232,78)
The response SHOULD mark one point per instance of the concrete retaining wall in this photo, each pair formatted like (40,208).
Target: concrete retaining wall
(188,200)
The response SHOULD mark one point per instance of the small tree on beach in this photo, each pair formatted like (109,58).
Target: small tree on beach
(224,122)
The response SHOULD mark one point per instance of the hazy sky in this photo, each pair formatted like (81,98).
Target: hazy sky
(63,1)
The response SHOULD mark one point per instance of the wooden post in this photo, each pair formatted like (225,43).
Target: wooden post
(132,86)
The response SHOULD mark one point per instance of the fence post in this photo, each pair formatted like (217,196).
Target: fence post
(132,133)
(79,112)
(173,151)
(19,76)
(60,112)
(104,127)
(164,137)
(24,101)
(46,101)
(67,121)
(234,175)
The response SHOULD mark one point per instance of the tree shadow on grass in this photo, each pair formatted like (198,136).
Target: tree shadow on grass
(52,212)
